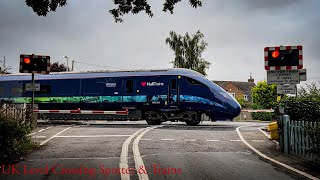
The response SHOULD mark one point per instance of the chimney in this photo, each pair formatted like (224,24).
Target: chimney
(250,80)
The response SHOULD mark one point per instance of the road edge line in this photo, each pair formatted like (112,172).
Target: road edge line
(273,160)
(45,141)
(124,154)
(137,157)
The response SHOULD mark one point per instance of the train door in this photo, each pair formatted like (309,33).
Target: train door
(173,92)
(129,90)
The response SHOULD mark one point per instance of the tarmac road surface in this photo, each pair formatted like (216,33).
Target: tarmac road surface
(135,150)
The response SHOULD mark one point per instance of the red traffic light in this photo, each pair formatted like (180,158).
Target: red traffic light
(26,60)
(275,54)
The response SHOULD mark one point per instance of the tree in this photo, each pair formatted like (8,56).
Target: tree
(3,68)
(264,95)
(43,7)
(56,67)
(188,50)
(310,92)
(242,102)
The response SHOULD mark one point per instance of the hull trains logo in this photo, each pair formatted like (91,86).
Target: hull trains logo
(152,84)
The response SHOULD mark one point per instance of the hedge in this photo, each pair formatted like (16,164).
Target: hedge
(305,109)
(14,140)
(302,109)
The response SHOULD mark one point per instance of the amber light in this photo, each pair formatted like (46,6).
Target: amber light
(26,60)
(275,54)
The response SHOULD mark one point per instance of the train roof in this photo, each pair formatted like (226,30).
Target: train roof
(102,73)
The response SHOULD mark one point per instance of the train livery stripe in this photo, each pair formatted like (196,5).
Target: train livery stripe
(111,99)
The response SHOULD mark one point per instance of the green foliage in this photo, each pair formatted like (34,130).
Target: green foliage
(14,142)
(264,96)
(43,7)
(242,102)
(314,134)
(312,92)
(302,108)
(306,107)
(262,116)
(188,50)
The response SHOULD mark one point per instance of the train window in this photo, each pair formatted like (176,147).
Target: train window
(1,91)
(192,81)
(44,89)
(173,84)
(16,91)
(129,86)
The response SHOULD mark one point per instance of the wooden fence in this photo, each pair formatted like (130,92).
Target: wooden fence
(14,110)
(296,141)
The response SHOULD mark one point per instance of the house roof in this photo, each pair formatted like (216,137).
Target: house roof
(244,86)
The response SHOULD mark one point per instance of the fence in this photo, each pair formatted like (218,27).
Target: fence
(295,140)
(14,110)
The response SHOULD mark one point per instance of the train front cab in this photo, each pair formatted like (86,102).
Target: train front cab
(223,105)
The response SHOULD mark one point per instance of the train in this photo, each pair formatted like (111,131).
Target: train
(155,95)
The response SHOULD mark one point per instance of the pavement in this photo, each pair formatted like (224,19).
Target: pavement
(135,150)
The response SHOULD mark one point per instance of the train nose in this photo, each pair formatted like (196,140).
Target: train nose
(236,109)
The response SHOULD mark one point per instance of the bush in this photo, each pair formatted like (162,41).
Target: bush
(302,108)
(14,140)
(314,134)
(306,107)
(263,116)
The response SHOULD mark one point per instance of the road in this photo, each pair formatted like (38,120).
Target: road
(135,150)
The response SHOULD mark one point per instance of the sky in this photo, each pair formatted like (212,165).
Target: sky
(236,32)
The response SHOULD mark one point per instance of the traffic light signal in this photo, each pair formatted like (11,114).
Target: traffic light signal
(283,57)
(34,64)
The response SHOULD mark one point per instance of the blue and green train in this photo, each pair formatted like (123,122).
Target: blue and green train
(155,95)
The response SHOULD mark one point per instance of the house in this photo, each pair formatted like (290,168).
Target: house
(238,89)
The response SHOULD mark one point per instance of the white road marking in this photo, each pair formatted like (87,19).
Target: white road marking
(92,136)
(273,160)
(124,155)
(235,140)
(190,140)
(167,139)
(212,140)
(31,134)
(39,136)
(48,127)
(258,140)
(136,153)
(42,143)
(145,139)
(41,130)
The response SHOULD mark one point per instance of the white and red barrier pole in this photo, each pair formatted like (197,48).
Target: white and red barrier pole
(258,110)
(78,111)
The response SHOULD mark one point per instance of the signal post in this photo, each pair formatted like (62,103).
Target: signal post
(34,64)
(284,68)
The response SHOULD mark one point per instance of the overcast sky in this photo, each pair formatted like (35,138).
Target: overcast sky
(236,32)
